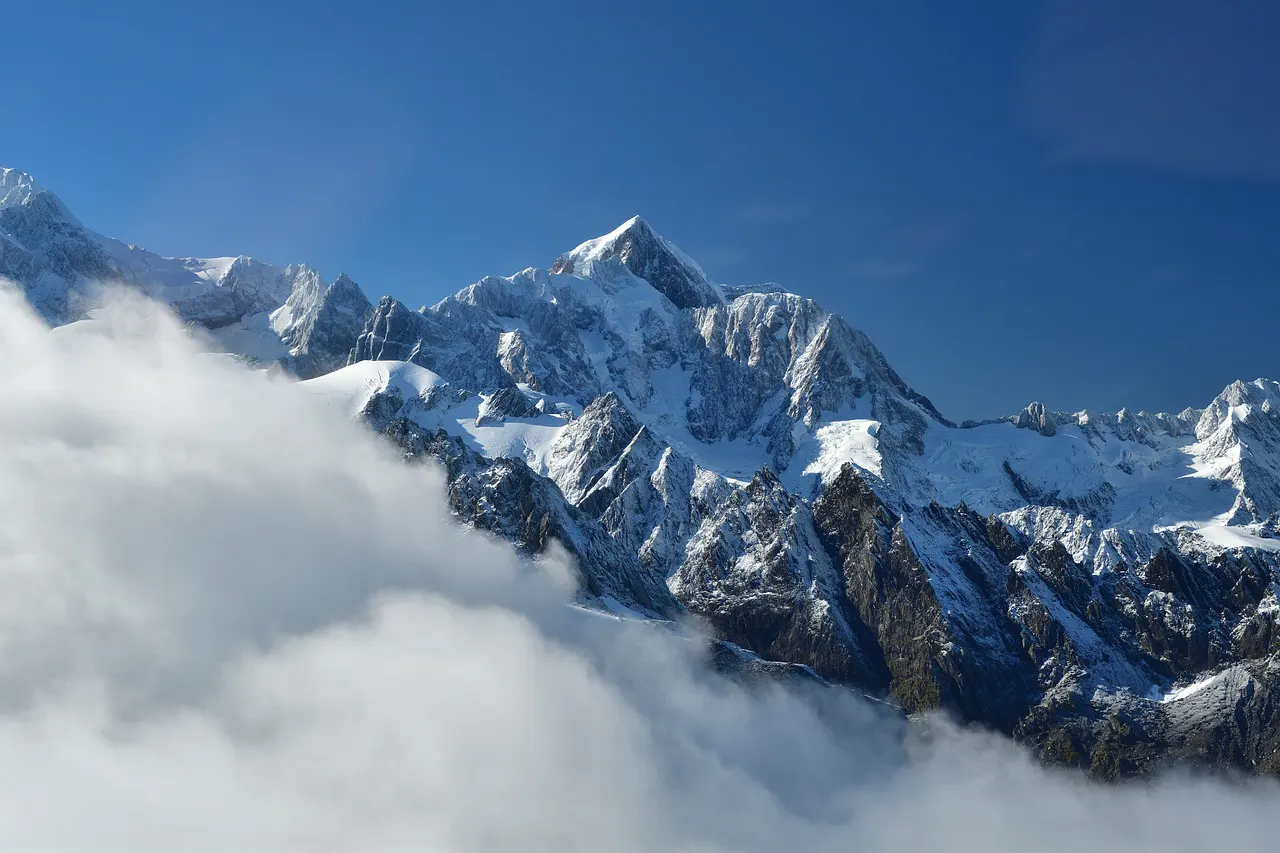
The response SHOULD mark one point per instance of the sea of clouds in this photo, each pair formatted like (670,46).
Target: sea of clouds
(231,620)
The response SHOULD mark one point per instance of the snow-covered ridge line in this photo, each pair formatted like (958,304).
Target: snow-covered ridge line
(735,379)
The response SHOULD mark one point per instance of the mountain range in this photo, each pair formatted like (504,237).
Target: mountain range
(1104,587)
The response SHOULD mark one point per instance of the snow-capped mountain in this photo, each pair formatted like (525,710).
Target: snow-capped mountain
(1104,586)
(257,310)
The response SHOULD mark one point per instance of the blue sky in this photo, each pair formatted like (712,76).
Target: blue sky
(1077,202)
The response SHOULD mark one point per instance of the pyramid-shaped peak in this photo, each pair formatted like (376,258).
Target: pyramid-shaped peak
(19,189)
(634,225)
(633,233)
(649,256)
(609,407)
(12,180)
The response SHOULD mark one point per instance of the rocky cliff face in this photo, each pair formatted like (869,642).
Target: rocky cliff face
(320,323)
(503,496)
(44,248)
(756,572)
(1102,586)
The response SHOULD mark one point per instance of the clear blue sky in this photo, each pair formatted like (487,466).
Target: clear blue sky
(1077,202)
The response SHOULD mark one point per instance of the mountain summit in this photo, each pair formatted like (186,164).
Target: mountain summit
(18,189)
(1105,587)
(648,256)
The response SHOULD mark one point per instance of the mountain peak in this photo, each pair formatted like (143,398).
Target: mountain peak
(18,189)
(649,256)
(345,282)
(636,225)
(1035,416)
(635,229)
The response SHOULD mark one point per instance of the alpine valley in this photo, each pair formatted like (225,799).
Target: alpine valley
(1104,587)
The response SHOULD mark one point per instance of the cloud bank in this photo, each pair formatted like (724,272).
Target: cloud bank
(230,620)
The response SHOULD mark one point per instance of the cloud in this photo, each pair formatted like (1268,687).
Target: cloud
(231,620)
(1187,86)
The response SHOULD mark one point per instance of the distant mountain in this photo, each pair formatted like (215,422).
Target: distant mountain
(1104,587)
(263,312)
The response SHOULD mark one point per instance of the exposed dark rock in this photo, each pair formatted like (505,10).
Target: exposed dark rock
(327,321)
(757,574)
(506,403)
(1064,575)
(1231,721)
(1006,543)
(937,658)
(1037,418)
(505,497)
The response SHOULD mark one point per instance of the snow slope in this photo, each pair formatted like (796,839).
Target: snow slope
(427,400)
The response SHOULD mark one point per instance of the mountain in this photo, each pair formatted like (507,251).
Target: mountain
(1105,587)
(253,309)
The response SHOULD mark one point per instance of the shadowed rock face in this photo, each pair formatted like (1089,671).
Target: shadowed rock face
(1036,417)
(505,497)
(320,324)
(967,661)
(505,403)
(757,573)
(1232,721)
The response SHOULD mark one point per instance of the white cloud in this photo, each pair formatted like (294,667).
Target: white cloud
(230,621)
